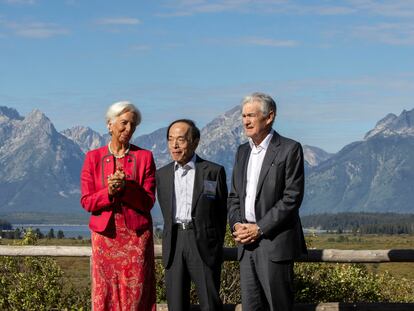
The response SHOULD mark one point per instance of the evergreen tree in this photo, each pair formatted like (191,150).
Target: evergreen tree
(51,234)
(60,234)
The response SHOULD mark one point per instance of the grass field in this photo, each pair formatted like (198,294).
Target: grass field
(343,241)
(77,269)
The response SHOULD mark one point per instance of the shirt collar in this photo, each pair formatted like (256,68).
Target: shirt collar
(189,165)
(264,144)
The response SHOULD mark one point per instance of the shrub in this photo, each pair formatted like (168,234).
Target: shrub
(314,283)
(230,275)
(159,282)
(321,282)
(37,283)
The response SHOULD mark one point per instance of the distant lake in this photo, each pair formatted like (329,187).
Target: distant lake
(73,231)
(70,231)
(308,231)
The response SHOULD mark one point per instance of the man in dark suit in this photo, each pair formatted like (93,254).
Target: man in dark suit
(266,193)
(192,193)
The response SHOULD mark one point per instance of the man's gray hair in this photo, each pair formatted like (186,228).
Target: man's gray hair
(118,108)
(267,104)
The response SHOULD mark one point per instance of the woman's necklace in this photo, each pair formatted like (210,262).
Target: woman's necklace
(115,155)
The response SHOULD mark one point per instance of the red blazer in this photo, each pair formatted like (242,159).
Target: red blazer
(138,197)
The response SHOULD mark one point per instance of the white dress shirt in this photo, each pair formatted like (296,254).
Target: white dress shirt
(253,171)
(183,186)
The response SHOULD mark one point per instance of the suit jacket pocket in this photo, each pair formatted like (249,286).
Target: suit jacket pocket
(209,189)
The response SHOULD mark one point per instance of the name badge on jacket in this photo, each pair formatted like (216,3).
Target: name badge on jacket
(210,189)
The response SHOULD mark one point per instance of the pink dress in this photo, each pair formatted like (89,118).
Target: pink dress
(123,276)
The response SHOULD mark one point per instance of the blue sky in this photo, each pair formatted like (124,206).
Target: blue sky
(334,67)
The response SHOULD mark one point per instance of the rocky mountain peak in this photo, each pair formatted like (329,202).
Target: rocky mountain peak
(39,168)
(314,155)
(85,137)
(227,124)
(221,137)
(36,128)
(36,114)
(393,125)
(229,116)
(7,113)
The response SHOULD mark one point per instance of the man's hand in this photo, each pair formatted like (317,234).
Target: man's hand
(246,233)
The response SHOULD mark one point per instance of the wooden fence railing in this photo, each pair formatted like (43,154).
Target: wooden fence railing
(315,255)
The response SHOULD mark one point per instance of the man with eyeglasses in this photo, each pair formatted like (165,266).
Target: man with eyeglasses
(192,194)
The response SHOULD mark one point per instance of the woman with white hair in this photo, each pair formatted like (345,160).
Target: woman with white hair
(118,189)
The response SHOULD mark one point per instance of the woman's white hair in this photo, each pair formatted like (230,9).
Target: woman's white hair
(118,108)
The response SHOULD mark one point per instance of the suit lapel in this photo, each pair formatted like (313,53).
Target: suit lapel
(198,181)
(168,181)
(271,153)
(244,162)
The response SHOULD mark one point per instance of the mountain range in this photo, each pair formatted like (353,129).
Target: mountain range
(40,167)
(375,174)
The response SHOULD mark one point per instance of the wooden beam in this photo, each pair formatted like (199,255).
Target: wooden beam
(54,251)
(230,254)
(365,256)
(346,256)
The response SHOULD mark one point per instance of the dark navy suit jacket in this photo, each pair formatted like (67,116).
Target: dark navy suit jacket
(278,198)
(208,213)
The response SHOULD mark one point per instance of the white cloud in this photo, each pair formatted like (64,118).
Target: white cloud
(253,41)
(269,42)
(140,47)
(36,30)
(395,8)
(20,1)
(119,21)
(192,7)
(387,33)
(333,10)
